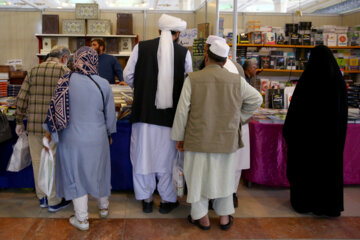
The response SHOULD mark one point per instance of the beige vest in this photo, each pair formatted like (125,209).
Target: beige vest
(213,124)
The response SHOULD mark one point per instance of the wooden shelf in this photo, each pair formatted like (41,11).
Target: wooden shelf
(278,70)
(293,46)
(259,70)
(125,54)
(83,35)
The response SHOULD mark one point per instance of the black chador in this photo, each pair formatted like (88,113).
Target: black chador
(315,132)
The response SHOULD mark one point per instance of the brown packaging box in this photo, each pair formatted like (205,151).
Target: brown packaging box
(50,24)
(124,24)
(203,30)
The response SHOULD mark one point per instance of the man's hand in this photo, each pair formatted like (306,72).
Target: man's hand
(20,129)
(180,146)
(110,140)
(46,140)
(123,83)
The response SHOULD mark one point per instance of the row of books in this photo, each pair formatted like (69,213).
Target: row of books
(276,60)
(278,116)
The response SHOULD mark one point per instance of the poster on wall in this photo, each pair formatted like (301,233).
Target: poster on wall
(187,37)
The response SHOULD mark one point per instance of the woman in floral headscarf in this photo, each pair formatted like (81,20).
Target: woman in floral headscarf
(81,119)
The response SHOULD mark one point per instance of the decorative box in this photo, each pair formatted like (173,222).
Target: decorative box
(70,26)
(126,45)
(86,11)
(99,27)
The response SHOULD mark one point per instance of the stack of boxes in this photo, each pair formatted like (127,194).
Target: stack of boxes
(4,78)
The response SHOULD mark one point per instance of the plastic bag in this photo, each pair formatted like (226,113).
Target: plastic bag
(46,170)
(20,157)
(178,174)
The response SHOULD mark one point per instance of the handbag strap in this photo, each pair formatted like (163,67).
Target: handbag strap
(102,94)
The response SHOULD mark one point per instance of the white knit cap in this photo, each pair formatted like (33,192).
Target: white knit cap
(220,48)
(165,57)
(212,38)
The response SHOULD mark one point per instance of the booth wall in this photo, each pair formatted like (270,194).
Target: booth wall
(278,20)
(351,19)
(17,39)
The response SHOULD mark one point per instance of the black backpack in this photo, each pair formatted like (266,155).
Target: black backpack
(5,132)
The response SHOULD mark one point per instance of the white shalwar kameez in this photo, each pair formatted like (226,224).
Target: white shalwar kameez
(243,154)
(152,152)
(207,174)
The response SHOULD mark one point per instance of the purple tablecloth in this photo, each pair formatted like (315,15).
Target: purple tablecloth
(268,155)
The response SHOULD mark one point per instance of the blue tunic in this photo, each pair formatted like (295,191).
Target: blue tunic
(83,152)
(108,67)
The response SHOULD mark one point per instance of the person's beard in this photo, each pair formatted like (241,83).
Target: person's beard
(176,40)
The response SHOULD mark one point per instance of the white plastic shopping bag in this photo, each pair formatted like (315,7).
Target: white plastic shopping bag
(20,157)
(178,174)
(46,171)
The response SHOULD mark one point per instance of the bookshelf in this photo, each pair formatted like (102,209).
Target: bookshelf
(86,38)
(294,71)
(293,46)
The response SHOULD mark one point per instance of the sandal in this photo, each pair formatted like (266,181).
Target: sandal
(228,225)
(197,223)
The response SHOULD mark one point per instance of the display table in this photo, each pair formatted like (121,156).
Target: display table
(121,169)
(269,155)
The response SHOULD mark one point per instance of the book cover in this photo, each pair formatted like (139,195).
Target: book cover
(342,40)
(112,45)
(244,38)
(294,39)
(290,63)
(277,98)
(280,38)
(265,62)
(269,38)
(280,63)
(354,64)
(331,39)
(306,39)
(256,38)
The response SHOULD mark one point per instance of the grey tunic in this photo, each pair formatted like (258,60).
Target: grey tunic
(83,152)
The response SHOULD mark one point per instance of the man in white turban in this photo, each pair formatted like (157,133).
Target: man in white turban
(213,104)
(244,152)
(156,70)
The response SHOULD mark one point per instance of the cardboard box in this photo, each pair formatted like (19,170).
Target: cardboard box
(203,30)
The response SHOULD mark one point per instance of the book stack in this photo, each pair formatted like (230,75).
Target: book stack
(123,99)
(354,95)
(354,36)
(4,78)
(13,90)
(305,33)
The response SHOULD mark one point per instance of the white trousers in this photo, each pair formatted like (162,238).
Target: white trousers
(222,206)
(145,185)
(81,206)
(237,180)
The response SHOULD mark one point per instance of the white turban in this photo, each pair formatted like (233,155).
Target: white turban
(165,57)
(220,48)
(212,38)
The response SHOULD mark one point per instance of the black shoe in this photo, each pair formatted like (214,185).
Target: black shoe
(58,207)
(197,223)
(211,204)
(228,225)
(235,199)
(168,207)
(147,206)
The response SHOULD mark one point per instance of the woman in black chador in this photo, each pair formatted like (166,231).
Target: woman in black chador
(315,132)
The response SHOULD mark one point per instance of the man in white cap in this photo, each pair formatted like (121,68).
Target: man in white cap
(156,70)
(244,152)
(230,64)
(212,105)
